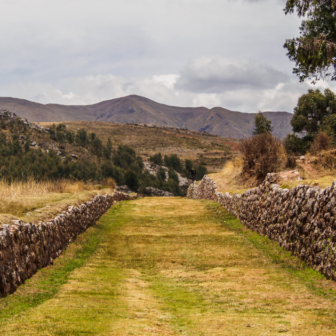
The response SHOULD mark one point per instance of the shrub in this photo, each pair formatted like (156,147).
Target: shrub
(157,159)
(131,180)
(291,161)
(321,142)
(262,154)
(200,172)
(297,146)
(109,182)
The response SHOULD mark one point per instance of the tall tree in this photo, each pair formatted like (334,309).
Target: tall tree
(314,52)
(314,112)
(262,124)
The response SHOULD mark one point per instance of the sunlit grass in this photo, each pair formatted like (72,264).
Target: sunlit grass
(37,200)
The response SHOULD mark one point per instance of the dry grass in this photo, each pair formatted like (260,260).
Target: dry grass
(229,178)
(34,201)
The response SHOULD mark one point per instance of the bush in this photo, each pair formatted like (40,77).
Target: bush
(109,182)
(262,154)
(297,146)
(291,161)
(157,159)
(200,172)
(321,142)
(131,180)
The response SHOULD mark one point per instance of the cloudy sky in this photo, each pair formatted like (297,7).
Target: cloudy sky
(209,53)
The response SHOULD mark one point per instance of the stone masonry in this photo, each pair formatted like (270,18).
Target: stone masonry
(27,247)
(301,220)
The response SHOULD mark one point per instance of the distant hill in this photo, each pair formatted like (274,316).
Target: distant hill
(218,120)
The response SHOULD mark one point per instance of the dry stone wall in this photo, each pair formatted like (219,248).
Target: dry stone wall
(301,220)
(27,247)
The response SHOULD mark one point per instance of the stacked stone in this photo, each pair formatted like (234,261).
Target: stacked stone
(27,247)
(301,220)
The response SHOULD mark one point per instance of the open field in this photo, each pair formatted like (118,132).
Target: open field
(33,201)
(197,146)
(172,266)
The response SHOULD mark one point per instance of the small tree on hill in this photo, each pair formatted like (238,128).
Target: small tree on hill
(262,124)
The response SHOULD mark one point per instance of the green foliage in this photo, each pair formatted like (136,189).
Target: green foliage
(188,165)
(157,159)
(262,124)
(174,162)
(313,110)
(201,170)
(19,161)
(161,175)
(297,146)
(131,180)
(315,50)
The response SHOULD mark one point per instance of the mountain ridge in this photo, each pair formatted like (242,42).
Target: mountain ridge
(133,108)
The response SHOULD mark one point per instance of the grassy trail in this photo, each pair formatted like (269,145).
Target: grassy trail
(172,266)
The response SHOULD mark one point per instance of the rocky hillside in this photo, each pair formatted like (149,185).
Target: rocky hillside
(136,109)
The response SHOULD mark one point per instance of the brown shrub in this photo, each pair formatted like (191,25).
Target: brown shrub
(322,142)
(262,154)
(110,183)
(291,161)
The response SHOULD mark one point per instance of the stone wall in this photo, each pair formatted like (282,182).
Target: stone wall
(301,220)
(27,247)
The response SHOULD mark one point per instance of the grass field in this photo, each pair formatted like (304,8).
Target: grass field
(172,266)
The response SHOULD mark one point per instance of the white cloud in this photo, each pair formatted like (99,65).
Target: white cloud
(218,74)
(92,89)
(84,51)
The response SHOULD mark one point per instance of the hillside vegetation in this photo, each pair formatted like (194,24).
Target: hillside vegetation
(200,147)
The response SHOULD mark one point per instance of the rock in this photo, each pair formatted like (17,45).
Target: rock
(124,189)
(153,169)
(302,158)
(33,143)
(58,153)
(74,156)
(150,191)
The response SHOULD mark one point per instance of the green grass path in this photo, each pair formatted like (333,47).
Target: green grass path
(172,266)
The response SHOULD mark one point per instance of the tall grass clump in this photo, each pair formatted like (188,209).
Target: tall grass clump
(262,154)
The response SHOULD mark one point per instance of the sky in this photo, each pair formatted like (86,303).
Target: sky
(226,53)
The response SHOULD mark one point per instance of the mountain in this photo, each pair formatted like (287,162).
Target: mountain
(218,120)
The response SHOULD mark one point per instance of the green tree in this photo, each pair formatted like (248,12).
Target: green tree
(314,51)
(262,124)
(295,145)
(131,180)
(157,159)
(200,172)
(314,109)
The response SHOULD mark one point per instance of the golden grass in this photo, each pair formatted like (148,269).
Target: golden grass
(323,182)
(229,178)
(34,200)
